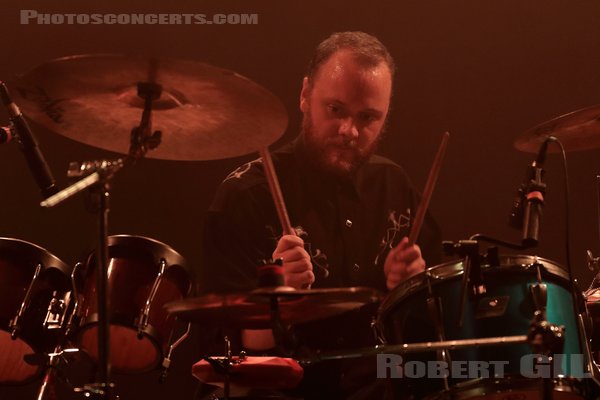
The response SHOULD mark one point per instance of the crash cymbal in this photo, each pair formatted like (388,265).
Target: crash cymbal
(252,372)
(577,130)
(204,112)
(252,310)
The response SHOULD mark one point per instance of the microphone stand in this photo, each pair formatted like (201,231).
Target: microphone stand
(99,180)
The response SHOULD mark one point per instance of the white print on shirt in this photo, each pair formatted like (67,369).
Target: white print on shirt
(240,171)
(396,224)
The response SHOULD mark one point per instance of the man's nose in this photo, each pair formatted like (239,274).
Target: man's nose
(348,128)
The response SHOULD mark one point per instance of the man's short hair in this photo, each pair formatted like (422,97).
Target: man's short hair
(367,49)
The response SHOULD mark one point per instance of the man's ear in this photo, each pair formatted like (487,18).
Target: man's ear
(304,93)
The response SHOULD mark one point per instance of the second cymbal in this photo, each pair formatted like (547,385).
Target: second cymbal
(577,130)
(204,112)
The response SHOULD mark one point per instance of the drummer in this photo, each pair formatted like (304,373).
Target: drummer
(351,210)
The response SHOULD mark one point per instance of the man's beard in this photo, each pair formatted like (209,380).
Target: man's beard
(337,155)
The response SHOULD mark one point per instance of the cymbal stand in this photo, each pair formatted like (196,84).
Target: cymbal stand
(593,263)
(98,181)
(546,339)
(472,278)
(434,309)
(285,340)
(270,274)
(99,178)
(223,366)
(52,362)
(142,137)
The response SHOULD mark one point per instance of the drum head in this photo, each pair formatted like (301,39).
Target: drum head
(13,368)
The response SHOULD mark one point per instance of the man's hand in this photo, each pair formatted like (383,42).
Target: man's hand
(297,268)
(402,262)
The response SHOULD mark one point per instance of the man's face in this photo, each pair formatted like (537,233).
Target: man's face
(345,107)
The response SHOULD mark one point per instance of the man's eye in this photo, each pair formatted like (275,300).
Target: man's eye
(368,117)
(333,109)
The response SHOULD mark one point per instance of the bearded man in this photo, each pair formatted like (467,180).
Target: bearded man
(350,208)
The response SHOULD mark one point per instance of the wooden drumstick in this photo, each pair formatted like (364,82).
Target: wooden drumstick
(276,192)
(428,191)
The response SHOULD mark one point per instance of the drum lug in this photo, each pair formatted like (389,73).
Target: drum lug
(14,323)
(145,314)
(76,312)
(56,312)
(539,295)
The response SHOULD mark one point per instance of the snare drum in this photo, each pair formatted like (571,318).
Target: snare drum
(143,275)
(506,309)
(34,298)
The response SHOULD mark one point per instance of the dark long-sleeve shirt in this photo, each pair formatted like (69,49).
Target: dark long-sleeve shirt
(348,227)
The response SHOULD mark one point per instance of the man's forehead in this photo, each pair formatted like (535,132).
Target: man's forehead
(347,61)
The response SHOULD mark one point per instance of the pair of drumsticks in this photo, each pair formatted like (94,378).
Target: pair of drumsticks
(421,210)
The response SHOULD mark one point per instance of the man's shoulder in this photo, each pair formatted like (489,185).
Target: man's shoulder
(380,164)
(249,179)
(252,173)
(245,176)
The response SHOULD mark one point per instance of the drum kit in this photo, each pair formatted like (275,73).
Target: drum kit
(123,304)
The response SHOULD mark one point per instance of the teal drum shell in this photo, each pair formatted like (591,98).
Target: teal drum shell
(506,309)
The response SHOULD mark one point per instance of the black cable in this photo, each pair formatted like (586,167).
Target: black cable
(576,310)
(567,215)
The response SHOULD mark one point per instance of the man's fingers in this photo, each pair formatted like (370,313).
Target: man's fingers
(299,280)
(293,254)
(407,255)
(297,266)
(287,242)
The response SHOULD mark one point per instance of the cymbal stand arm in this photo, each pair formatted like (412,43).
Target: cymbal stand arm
(103,379)
(142,137)
(98,175)
(285,340)
(46,390)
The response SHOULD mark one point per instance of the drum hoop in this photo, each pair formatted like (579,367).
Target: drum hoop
(34,254)
(157,248)
(451,269)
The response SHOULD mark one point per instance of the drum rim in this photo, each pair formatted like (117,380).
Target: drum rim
(454,268)
(36,254)
(171,256)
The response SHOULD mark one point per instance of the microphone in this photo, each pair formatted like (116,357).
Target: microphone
(527,205)
(37,164)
